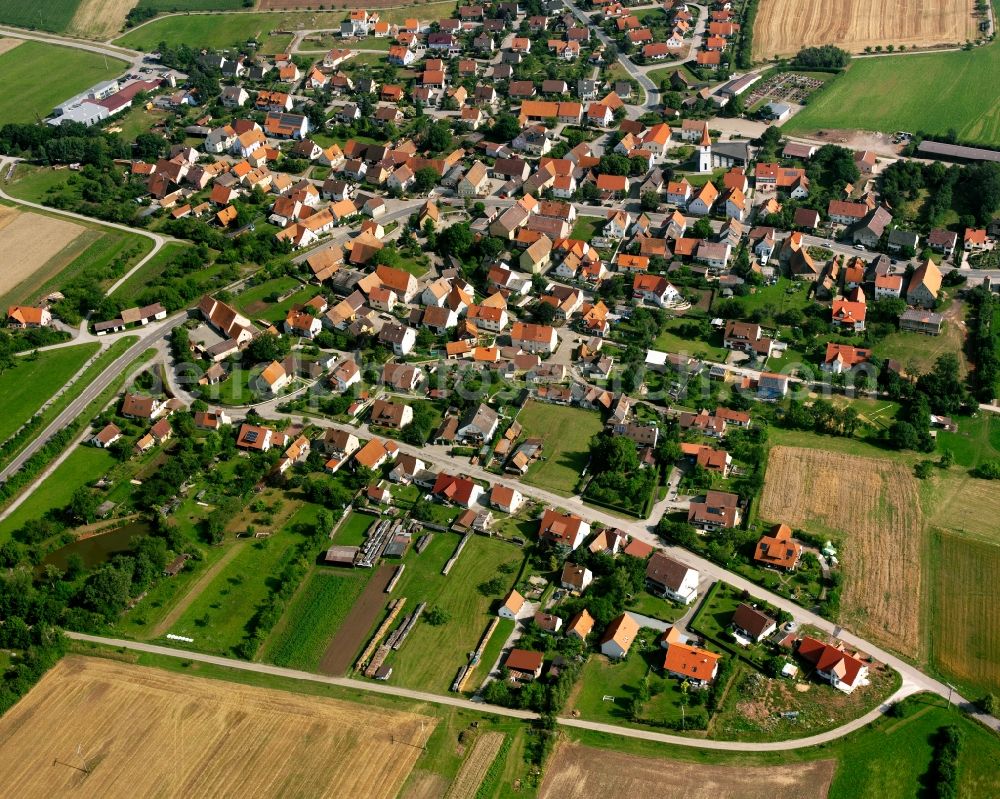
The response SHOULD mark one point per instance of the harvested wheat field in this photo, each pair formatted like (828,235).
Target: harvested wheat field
(29,242)
(100,19)
(476,765)
(94,727)
(967,610)
(580,772)
(783,27)
(874,506)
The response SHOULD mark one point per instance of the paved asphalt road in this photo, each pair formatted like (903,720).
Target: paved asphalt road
(467,704)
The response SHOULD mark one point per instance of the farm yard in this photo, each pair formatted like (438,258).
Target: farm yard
(566,433)
(872,508)
(933,92)
(24,98)
(966,633)
(432,654)
(580,772)
(783,27)
(143,731)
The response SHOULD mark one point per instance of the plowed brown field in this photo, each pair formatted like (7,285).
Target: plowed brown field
(579,772)
(95,727)
(874,505)
(783,27)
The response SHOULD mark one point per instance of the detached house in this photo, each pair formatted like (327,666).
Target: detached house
(618,637)
(778,549)
(566,531)
(843,671)
(717,511)
(672,579)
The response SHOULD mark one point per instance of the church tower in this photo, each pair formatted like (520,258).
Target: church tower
(705,152)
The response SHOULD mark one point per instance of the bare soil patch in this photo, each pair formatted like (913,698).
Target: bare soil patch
(425,785)
(580,772)
(353,633)
(9,44)
(94,727)
(32,243)
(100,19)
(873,507)
(783,27)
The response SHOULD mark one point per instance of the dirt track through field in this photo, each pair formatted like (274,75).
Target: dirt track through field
(783,27)
(580,772)
(874,505)
(29,242)
(194,591)
(101,728)
(100,19)
(353,633)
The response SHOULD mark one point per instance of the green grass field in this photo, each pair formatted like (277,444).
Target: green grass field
(25,98)
(432,654)
(31,381)
(934,93)
(84,465)
(566,433)
(53,15)
(917,352)
(150,272)
(217,619)
(252,302)
(313,618)
(224,30)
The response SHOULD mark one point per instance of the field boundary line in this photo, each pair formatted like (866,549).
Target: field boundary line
(905,690)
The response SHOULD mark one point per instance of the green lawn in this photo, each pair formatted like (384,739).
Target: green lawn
(586,228)
(31,381)
(218,618)
(84,465)
(566,433)
(603,678)
(431,655)
(252,302)
(784,295)
(24,96)
(352,532)
(33,183)
(313,618)
(935,92)
(53,15)
(669,341)
(977,440)
(917,352)
(656,607)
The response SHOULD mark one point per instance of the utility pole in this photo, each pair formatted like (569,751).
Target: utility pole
(951,688)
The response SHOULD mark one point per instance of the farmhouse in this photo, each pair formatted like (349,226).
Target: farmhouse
(511,605)
(925,283)
(524,665)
